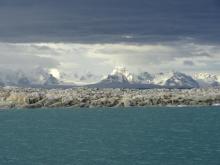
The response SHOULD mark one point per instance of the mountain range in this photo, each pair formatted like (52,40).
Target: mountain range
(119,78)
(37,76)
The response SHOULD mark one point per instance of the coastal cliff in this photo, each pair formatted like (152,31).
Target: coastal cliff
(93,97)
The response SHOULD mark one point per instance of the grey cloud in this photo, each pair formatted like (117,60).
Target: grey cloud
(15,56)
(101,58)
(100,21)
(42,49)
(26,62)
(158,53)
(170,56)
(202,54)
(188,63)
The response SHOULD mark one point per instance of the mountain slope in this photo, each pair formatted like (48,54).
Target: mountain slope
(207,80)
(121,78)
(38,76)
(175,80)
(144,78)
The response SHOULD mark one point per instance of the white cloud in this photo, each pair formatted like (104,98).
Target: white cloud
(55,72)
(101,58)
(15,56)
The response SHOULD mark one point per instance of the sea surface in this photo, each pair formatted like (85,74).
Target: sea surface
(132,136)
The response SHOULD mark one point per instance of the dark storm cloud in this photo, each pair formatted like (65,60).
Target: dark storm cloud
(109,20)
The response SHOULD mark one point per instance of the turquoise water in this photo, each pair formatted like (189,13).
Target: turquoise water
(150,136)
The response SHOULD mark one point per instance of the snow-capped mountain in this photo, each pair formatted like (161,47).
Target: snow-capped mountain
(144,78)
(207,80)
(22,79)
(122,74)
(9,77)
(41,76)
(37,76)
(175,80)
(121,77)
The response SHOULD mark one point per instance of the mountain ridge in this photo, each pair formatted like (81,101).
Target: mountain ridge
(120,77)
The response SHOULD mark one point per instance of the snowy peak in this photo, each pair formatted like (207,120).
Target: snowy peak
(206,77)
(38,76)
(182,80)
(169,80)
(41,76)
(161,78)
(175,80)
(207,80)
(122,74)
(118,75)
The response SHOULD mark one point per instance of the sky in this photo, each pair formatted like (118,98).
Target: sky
(97,35)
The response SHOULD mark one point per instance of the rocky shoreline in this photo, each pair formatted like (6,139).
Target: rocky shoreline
(12,97)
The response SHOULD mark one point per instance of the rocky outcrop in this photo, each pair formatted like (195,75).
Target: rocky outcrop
(94,97)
